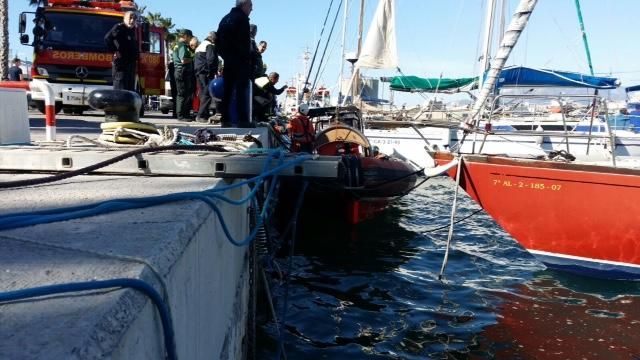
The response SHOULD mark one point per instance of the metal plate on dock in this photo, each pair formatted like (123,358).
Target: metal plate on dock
(175,163)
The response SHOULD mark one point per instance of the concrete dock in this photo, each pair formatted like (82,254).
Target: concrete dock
(178,248)
(179,244)
(207,278)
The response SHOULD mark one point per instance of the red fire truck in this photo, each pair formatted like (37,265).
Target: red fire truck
(70,52)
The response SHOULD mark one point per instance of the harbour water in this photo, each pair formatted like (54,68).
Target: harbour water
(374,293)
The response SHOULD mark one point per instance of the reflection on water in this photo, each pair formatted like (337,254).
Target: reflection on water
(373,293)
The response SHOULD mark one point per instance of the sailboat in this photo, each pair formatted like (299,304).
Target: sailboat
(503,131)
(577,216)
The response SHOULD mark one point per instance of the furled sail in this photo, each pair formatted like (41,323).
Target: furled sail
(418,84)
(509,40)
(380,50)
(524,76)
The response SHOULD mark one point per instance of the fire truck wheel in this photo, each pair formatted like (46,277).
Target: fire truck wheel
(40,106)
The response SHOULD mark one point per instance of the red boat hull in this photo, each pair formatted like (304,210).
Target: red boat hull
(572,216)
(383,179)
(365,187)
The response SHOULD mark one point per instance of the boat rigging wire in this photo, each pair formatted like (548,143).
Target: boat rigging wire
(324,52)
(315,52)
(456,222)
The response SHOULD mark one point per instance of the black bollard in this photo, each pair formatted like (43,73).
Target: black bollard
(118,105)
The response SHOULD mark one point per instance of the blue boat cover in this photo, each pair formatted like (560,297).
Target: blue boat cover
(632,88)
(524,76)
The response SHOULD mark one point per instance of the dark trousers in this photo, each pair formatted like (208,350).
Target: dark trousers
(124,75)
(236,101)
(185,87)
(205,96)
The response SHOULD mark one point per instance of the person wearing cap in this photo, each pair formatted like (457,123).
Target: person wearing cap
(184,74)
(206,66)
(15,72)
(234,45)
(301,130)
(122,41)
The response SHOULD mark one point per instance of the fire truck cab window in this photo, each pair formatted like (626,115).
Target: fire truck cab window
(80,33)
(154,40)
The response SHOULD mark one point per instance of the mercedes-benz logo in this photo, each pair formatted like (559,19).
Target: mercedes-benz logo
(82,72)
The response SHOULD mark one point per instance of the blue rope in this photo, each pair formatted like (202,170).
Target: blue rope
(143,287)
(17,220)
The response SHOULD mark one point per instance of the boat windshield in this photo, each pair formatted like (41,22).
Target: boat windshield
(79,32)
(634,106)
(595,128)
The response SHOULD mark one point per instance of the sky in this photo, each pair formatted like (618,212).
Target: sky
(434,36)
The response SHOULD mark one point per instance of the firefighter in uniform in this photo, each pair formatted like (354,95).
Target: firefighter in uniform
(301,130)
(121,39)
(184,74)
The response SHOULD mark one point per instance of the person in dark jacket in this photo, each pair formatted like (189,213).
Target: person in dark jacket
(234,45)
(259,68)
(206,65)
(121,39)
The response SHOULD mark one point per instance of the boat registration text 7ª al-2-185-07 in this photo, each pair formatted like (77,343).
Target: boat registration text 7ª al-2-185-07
(519,184)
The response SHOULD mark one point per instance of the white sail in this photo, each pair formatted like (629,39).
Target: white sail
(380,50)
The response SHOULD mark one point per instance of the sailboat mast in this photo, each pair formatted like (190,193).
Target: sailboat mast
(486,45)
(518,23)
(342,48)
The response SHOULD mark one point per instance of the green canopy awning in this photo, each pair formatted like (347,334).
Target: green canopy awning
(418,84)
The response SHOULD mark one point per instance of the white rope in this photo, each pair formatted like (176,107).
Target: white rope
(452,220)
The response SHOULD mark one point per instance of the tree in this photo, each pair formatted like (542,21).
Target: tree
(157,19)
(4,39)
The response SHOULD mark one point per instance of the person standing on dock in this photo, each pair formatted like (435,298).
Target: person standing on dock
(183,62)
(234,45)
(206,61)
(122,41)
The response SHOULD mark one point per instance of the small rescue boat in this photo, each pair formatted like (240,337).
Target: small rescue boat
(370,179)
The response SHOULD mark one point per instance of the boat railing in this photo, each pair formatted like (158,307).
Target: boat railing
(593,102)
